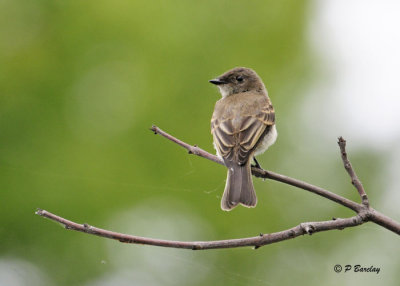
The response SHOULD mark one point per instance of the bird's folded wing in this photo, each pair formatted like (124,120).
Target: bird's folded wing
(235,138)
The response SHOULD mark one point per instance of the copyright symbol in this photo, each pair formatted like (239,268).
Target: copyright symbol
(337,268)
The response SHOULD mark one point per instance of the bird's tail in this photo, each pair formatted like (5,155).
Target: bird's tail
(239,187)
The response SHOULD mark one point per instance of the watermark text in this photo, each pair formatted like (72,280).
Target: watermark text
(357,268)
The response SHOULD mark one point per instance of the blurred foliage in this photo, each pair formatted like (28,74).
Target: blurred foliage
(81,82)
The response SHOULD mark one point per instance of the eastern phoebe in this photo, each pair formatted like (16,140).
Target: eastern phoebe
(242,125)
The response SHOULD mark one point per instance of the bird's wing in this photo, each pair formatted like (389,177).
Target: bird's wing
(236,136)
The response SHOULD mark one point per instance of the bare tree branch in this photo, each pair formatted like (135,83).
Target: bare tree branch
(256,241)
(364,212)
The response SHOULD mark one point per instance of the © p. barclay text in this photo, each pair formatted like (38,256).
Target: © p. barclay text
(356,268)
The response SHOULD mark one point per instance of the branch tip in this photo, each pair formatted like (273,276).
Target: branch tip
(154,129)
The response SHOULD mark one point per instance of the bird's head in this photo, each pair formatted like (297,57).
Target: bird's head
(238,80)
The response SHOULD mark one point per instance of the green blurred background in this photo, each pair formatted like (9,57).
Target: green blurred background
(81,82)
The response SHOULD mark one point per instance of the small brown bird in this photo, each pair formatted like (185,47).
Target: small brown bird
(242,125)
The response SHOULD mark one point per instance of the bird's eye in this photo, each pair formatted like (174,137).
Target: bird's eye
(239,78)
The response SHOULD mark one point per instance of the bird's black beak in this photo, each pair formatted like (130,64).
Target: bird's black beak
(217,81)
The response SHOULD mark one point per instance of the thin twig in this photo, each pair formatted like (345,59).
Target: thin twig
(256,241)
(191,149)
(349,168)
(261,173)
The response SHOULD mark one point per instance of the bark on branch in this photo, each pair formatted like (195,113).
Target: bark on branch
(364,212)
